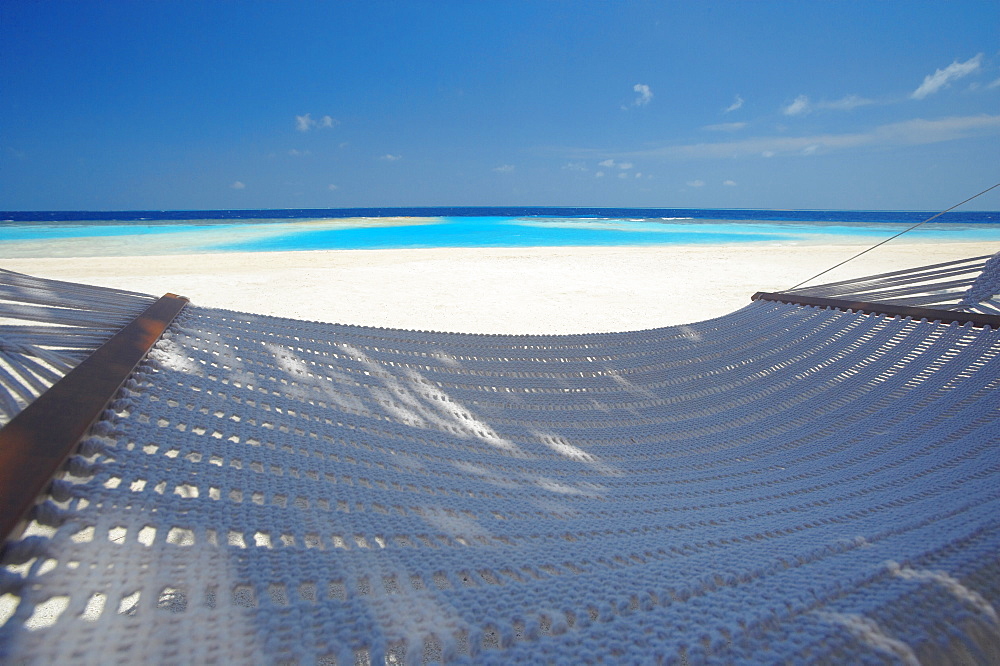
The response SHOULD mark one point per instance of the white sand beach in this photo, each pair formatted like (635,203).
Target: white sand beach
(517,290)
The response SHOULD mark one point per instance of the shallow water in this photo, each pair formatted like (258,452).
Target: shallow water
(84,234)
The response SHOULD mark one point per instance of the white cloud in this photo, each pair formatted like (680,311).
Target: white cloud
(576,166)
(798,107)
(993,84)
(306,122)
(645,94)
(725,127)
(802,105)
(599,174)
(238,186)
(737,103)
(942,77)
(611,164)
(298,153)
(623,175)
(729,183)
(905,133)
(332,187)
(505,168)
(845,103)
(391,158)
(696,183)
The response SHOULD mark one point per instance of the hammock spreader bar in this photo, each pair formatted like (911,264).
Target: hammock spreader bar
(38,440)
(930,314)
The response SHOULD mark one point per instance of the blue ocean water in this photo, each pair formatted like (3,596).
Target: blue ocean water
(89,233)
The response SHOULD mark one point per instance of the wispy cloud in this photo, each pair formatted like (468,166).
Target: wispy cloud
(332,187)
(391,158)
(845,103)
(906,133)
(725,127)
(729,183)
(645,94)
(737,103)
(993,84)
(505,168)
(306,122)
(941,78)
(696,183)
(803,105)
(238,185)
(798,107)
(298,153)
(611,164)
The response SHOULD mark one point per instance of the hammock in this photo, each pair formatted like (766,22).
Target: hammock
(784,483)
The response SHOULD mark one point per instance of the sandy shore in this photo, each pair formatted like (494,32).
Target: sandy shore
(519,290)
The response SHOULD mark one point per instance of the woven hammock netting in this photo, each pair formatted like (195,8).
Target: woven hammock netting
(782,484)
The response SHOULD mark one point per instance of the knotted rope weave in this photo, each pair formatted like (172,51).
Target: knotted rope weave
(783,483)
(985,287)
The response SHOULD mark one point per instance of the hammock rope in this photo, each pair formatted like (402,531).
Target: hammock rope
(783,483)
(967,285)
(47,327)
(895,236)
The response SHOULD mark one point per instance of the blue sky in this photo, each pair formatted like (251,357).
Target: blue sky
(189,105)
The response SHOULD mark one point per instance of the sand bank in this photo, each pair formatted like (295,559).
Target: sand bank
(519,290)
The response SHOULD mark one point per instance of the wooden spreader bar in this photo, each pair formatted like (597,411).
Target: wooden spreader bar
(930,314)
(39,439)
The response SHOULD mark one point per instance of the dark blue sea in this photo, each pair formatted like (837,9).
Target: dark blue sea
(90,233)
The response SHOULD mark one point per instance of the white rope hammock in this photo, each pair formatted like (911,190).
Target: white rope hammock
(781,484)
(47,327)
(967,285)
